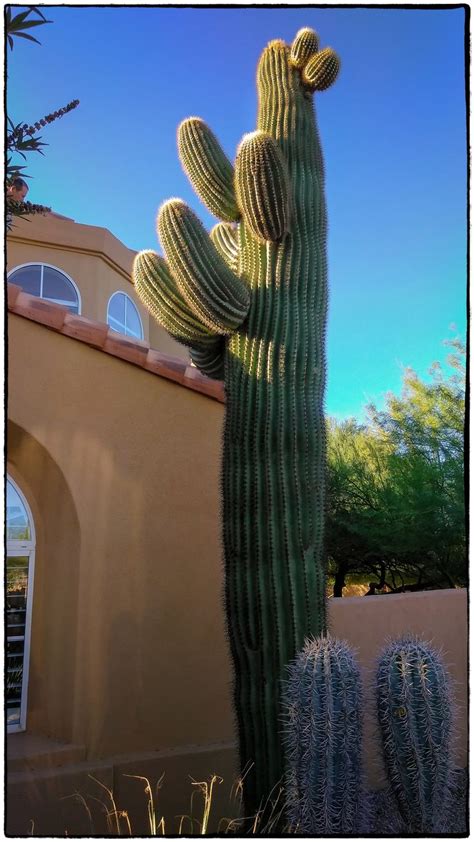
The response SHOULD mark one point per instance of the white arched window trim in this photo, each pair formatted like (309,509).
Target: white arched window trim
(58,269)
(127,300)
(21,549)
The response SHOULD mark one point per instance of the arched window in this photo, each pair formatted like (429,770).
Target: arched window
(47,282)
(20,574)
(123,316)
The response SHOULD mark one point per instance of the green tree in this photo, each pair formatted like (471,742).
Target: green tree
(396,486)
(23,138)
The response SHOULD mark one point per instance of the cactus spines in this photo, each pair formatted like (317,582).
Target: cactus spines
(157,289)
(225,239)
(322,70)
(261,289)
(217,296)
(305,45)
(323,739)
(262,187)
(414,703)
(208,168)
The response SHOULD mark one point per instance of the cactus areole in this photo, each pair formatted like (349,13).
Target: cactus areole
(250,303)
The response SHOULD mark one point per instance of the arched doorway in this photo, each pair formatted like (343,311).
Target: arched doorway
(20,574)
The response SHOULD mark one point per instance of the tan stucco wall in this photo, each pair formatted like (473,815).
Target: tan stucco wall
(140,585)
(97,262)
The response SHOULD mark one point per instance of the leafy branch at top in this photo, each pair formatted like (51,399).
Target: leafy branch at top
(23,138)
(15,26)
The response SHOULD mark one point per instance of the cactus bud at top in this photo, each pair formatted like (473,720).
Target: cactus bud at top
(304,46)
(321,70)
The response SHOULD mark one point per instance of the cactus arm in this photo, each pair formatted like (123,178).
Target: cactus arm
(208,168)
(210,359)
(157,289)
(262,187)
(225,238)
(212,291)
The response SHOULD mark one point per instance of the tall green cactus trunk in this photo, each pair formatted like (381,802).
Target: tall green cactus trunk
(274,445)
(263,330)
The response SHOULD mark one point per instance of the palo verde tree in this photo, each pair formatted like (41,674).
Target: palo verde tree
(22,138)
(396,486)
(250,302)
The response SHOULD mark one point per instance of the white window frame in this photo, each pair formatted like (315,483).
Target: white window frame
(110,319)
(62,272)
(23,549)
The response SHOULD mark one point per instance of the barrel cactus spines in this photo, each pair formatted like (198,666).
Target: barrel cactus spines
(415,712)
(323,739)
(258,287)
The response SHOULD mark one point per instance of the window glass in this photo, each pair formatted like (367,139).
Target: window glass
(123,316)
(48,283)
(19,583)
(56,287)
(133,324)
(14,667)
(116,318)
(16,608)
(29,278)
(18,527)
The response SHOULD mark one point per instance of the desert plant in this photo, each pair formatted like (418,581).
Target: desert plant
(250,302)
(323,739)
(414,703)
(23,138)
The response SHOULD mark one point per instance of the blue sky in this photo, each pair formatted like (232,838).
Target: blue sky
(393,130)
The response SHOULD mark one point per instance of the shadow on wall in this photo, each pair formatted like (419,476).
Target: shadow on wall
(51,689)
(122,683)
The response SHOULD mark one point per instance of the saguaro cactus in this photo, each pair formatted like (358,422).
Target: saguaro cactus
(250,302)
(415,713)
(323,739)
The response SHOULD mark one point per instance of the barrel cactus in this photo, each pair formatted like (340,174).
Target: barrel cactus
(250,302)
(414,702)
(323,739)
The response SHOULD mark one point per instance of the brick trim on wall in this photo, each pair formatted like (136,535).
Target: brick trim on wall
(99,336)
